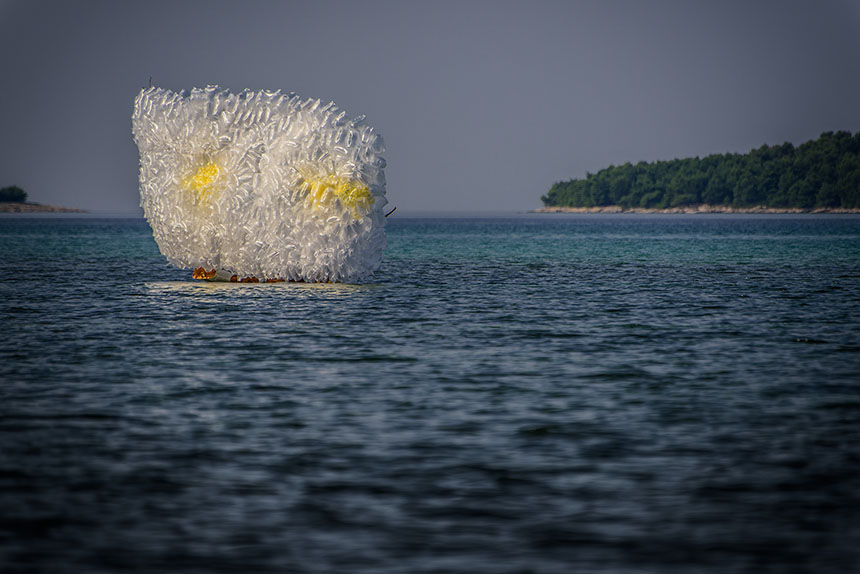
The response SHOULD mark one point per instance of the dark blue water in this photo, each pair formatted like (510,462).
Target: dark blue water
(529,394)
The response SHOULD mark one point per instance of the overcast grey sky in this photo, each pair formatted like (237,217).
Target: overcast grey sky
(483,105)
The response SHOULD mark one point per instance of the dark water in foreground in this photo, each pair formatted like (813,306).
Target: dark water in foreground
(535,394)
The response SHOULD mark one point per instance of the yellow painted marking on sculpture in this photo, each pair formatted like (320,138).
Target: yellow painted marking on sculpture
(353,195)
(202,181)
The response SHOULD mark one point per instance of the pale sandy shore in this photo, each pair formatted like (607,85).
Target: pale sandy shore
(10,207)
(703,208)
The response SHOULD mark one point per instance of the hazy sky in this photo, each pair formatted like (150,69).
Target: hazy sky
(483,105)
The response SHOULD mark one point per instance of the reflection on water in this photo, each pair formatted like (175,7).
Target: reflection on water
(227,289)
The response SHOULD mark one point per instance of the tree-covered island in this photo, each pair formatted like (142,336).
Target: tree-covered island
(13,199)
(819,174)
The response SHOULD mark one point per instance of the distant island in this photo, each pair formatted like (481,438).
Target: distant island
(13,199)
(821,175)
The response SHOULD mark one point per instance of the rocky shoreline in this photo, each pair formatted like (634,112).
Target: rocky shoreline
(702,208)
(15,207)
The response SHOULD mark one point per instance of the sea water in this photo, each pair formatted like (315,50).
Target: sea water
(604,393)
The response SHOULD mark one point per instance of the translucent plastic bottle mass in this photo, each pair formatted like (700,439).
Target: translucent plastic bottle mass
(260,184)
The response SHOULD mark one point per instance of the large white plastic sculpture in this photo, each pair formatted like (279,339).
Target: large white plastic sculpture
(260,186)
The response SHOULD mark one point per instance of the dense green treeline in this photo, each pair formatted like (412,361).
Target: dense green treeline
(13,194)
(822,173)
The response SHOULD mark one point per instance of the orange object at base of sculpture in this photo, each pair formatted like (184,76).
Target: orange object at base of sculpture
(201,273)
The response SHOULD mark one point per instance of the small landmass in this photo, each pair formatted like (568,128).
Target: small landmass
(13,199)
(819,176)
(24,207)
(701,208)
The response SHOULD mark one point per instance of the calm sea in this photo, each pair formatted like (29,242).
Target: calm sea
(532,394)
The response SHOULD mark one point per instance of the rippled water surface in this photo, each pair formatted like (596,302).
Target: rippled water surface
(526,394)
